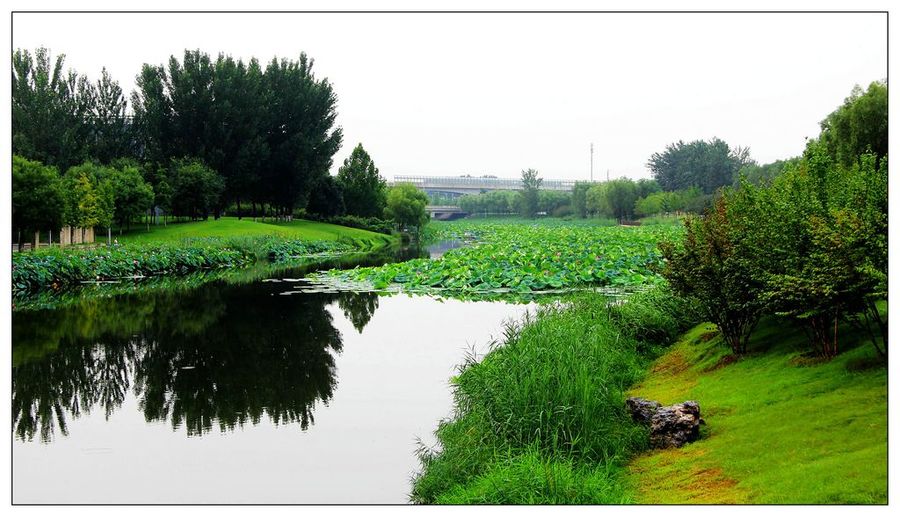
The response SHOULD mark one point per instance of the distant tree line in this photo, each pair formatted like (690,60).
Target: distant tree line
(202,137)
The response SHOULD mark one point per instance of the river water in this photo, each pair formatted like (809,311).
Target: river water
(236,392)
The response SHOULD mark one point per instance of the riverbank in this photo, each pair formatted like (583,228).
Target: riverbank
(186,248)
(541,419)
(782,428)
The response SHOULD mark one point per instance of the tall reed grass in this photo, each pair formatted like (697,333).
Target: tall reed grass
(541,418)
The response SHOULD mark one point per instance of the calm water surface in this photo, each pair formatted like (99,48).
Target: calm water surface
(256,392)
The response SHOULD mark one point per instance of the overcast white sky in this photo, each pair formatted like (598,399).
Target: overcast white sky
(496,93)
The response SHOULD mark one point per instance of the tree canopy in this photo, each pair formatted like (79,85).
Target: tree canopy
(406,206)
(707,165)
(37,196)
(269,133)
(531,184)
(365,191)
(858,126)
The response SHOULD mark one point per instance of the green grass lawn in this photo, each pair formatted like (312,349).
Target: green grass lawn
(234,227)
(781,427)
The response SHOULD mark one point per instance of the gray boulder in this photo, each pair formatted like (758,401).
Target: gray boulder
(670,426)
(642,410)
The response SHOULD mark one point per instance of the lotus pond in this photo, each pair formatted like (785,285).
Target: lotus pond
(523,258)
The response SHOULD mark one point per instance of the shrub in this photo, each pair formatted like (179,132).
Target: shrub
(712,265)
(823,258)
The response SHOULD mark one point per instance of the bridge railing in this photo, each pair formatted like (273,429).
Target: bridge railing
(438,182)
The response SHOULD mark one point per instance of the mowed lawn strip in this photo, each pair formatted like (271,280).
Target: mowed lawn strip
(234,227)
(781,427)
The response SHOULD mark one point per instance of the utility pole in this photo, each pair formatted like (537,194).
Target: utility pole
(592,162)
(607,175)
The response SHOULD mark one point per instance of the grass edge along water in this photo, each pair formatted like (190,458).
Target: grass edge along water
(167,251)
(541,417)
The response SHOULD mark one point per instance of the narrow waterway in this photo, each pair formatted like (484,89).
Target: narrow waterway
(247,392)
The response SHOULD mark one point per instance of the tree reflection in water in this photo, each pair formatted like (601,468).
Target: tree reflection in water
(218,356)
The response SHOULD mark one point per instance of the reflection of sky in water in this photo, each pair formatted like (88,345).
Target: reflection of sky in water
(238,372)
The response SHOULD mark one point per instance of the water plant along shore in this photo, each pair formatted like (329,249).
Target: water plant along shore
(166,251)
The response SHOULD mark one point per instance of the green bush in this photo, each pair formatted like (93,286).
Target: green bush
(712,265)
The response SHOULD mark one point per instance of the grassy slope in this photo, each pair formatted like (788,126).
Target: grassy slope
(781,428)
(233,227)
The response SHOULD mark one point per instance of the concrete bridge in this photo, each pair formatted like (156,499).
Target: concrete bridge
(445,212)
(455,186)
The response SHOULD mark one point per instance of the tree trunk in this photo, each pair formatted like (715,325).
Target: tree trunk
(19,239)
(109,235)
(239,209)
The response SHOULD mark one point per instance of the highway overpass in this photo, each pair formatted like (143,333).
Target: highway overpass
(455,186)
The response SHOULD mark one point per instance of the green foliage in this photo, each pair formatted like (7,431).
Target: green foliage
(763,174)
(50,110)
(89,196)
(824,257)
(691,200)
(195,188)
(326,198)
(620,197)
(711,264)
(493,203)
(132,197)
(554,202)
(579,199)
(365,191)
(269,133)
(61,268)
(541,417)
(809,243)
(507,202)
(531,184)
(646,187)
(232,227)
(406,206)
(859,126)
(57,269)
(524,258)
(112,136)
(706,165)
(372,224)
(38,200)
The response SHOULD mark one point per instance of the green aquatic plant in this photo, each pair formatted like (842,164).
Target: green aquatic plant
(525,258)
(58,269)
